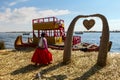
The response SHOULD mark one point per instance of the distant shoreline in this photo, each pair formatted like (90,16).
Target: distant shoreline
(74,31)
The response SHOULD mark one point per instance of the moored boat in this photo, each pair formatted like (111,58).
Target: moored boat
(26,33)
(55,34)
(78,32)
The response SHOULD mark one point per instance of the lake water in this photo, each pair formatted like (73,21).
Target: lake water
(9,39)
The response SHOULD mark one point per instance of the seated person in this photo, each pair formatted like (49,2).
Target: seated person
(94,47)
(90,47)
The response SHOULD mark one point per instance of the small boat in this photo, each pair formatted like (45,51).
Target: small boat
(20,45)
(26,33)
(78,32)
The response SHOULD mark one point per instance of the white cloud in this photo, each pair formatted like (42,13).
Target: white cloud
(114,24)
(12,3)
(5,15)
(53,12)
(16,2)
(21,18)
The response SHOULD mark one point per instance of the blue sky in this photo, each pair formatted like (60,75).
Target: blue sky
(17,15)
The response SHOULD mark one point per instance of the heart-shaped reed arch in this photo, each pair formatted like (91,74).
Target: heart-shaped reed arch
(103,48)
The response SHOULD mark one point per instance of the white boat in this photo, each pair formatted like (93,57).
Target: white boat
(26,33)
(78,32)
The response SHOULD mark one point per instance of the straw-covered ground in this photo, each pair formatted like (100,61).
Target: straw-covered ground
(16,65)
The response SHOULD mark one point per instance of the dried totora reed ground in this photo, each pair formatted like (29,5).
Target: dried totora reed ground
(16,65)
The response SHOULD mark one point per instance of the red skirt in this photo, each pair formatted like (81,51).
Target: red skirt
(41,56)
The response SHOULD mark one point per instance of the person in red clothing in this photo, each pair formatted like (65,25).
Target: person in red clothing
(42,56)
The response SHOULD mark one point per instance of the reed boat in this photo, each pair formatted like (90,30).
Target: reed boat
(54,29)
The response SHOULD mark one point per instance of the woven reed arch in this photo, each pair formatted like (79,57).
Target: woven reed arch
(103,50)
